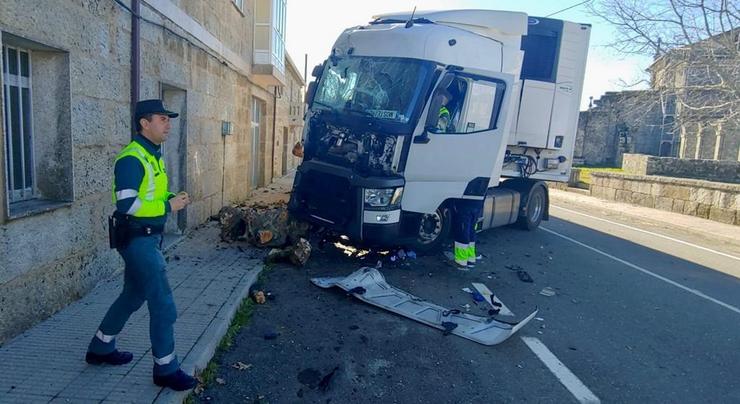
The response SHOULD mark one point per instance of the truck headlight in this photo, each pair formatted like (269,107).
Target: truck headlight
(386,198)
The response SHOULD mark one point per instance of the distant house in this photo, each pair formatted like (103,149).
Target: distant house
(700,88)
(618,123)
(67,80)
(691,111)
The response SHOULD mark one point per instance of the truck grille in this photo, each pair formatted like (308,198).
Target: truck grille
(325,197)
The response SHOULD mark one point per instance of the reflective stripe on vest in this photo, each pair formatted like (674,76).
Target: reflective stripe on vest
(153,187)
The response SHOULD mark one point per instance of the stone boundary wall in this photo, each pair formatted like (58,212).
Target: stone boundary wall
(710,200)
(710,170)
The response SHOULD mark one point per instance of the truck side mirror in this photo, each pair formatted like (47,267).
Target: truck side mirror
(424,137)
(317,70)
(310,92)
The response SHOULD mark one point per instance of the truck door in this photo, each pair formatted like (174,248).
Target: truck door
(460,141)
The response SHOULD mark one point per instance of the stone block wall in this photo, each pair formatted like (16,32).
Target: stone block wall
(710,170)
(621,122)
(51,257)
(709,200)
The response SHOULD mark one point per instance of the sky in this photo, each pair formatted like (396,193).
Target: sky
(314,25)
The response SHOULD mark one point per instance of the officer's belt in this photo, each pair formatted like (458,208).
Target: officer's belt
(143,230)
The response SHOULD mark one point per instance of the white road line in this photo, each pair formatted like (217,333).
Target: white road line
(645,271)
(649,232)
(564,375)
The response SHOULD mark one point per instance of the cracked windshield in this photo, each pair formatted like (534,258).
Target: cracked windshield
(384,88)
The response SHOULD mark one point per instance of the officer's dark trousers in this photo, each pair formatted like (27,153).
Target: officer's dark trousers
(145,279)
(465,215)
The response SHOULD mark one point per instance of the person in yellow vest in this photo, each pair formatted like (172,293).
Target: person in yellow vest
(143,202)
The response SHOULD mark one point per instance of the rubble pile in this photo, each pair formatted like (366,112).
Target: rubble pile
(267,226)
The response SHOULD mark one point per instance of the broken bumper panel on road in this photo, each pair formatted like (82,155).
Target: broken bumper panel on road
(369,285)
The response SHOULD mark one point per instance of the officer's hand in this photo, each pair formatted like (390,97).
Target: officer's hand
(179,202)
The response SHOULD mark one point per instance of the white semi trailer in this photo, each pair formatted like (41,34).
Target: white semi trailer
(412,113)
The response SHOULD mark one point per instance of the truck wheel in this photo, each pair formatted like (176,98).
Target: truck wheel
(535,210)
(434,228)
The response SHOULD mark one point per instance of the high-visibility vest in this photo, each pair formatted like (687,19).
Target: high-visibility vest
(152,194)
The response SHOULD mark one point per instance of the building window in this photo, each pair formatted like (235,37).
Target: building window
(18,123)
(36,127)
(239,4)
(278,33)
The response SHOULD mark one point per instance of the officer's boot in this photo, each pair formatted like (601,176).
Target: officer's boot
(178,381)
(114,358)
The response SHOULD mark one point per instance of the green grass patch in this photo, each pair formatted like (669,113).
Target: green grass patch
(241,318)
(585,172)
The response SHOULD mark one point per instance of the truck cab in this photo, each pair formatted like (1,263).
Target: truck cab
(411,114)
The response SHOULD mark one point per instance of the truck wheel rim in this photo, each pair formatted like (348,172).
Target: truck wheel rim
(536,207)
(430,227)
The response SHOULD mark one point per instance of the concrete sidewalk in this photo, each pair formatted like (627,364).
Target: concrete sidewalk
(209,280)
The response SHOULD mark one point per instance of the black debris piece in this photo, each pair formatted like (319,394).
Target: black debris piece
(449,326)
(359,290)
(524,276)
(326,380)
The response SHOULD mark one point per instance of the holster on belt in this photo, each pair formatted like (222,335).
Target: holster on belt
(122,229)
(117,230)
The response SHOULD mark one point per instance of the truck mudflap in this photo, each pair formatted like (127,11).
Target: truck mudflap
(369,285)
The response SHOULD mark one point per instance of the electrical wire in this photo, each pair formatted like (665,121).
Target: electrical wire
(568,8)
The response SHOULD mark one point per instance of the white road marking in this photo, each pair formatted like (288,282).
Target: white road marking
(564,375)
(645,271)
(649,232)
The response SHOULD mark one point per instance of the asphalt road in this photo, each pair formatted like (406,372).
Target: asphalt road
(647,309)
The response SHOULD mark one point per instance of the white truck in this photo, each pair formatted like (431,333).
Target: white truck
(416,111)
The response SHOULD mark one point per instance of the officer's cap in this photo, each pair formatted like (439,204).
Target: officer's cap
(152,107)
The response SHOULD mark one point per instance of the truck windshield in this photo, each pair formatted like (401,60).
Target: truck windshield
(378,87)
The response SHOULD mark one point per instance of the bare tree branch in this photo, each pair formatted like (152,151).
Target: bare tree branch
(696,50)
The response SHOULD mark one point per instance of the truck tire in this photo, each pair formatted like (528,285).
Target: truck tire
(434,229)
(535,209)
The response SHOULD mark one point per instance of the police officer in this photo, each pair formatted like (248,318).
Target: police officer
(142,204)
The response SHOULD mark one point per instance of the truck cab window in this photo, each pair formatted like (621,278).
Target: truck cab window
(380,88)
(465,105)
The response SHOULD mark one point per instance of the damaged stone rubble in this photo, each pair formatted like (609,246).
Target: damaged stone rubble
(267,225)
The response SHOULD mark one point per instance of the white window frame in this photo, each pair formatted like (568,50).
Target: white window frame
(255,126)
(27,191)
(239,4)
(279,10)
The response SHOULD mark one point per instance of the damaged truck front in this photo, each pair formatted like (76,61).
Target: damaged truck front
(356,138)
(414,113)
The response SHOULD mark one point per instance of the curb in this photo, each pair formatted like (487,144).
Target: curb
(204,350)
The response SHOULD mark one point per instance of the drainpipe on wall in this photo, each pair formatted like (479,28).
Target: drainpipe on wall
(135,59)
(274,126)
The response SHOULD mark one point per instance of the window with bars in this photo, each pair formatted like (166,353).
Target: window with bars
(36,133)
(18,123)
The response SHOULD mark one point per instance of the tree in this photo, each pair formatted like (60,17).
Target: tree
(696,46)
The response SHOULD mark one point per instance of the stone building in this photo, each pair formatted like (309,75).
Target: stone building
(618,123)
(699,88)
(70,72)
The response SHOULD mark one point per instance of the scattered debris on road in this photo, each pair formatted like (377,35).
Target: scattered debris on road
(265,226)
(258,297)
(241,365)
(369,285)
(497,306)
(547,291)
(524,276)
(326,380)
(297,254)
